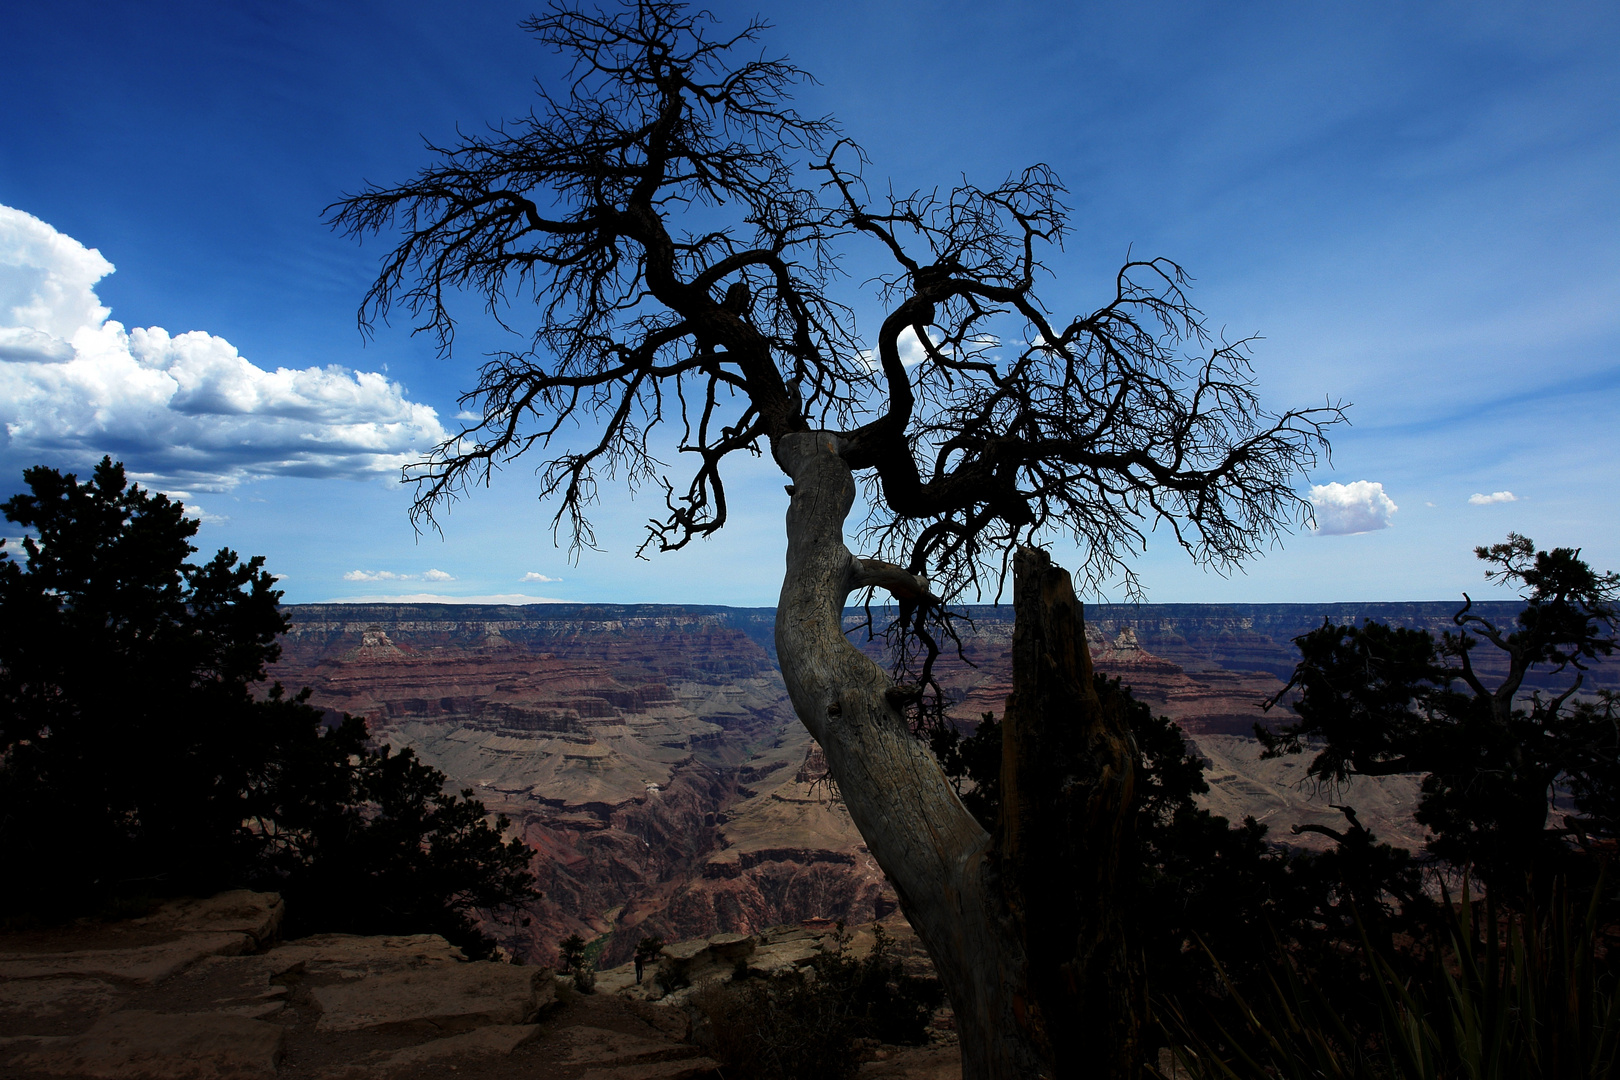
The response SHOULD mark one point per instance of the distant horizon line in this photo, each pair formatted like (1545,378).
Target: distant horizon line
(512,601)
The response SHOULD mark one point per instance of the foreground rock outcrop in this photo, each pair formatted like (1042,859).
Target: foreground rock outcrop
(202,990)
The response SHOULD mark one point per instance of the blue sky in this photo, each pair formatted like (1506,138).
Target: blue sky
(1415,205)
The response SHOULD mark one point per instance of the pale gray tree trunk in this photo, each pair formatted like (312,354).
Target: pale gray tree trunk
(942,864)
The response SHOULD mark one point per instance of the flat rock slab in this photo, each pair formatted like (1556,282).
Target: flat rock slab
(446,997)
(350,956)
(732,946)
(600,1046)
(140,1045)
(240,911)
(488,1042)
(684,950)
(621,980)
(916,1063)
(144,965)
(773,958)
(54,1006)
(496,1041)
(238,984)
(685,1069)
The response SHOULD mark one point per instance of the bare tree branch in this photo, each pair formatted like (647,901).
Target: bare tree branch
(1005,426)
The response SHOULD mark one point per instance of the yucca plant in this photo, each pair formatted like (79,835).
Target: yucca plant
(1522,998)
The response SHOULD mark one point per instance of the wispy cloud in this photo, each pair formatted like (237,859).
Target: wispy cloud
(1348,509)
(389,575)
(186,409)
(532,576)
(1477,499)
(440,598)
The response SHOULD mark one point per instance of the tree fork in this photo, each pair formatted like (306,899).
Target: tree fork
(975,900)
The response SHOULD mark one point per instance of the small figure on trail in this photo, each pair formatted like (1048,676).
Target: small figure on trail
(647,949)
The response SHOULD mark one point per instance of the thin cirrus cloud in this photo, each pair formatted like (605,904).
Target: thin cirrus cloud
(389,575)
(1348,509)
(184,410)
(1478,499)
(440,598)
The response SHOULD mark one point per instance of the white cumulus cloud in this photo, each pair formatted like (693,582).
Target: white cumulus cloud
(912,352)
(1477,499)
(181,409)
(437,575)
(193,510)
(1347,509)
(532,576)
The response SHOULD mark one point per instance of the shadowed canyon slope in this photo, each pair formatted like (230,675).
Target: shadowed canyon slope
(649,756)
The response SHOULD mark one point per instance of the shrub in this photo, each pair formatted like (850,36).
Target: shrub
(368,842)
(804,1024)
(781,1028)
(571,953)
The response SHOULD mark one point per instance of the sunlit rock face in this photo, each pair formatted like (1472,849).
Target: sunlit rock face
(650,758)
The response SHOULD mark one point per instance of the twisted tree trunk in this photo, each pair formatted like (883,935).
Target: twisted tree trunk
(982,905)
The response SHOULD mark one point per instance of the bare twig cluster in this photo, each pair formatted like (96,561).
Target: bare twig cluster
(665,231)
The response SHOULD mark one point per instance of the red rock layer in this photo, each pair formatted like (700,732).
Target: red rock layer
(650,759)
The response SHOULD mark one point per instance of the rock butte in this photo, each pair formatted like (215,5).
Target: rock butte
(647,753)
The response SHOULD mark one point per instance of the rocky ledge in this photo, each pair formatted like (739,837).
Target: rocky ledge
(202,990)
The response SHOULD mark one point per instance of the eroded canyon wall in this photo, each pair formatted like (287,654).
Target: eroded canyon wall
(648,754)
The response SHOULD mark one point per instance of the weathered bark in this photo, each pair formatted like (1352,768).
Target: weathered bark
(945,868)
(1067,785)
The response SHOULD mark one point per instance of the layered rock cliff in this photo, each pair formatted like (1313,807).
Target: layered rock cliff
(614,739)
(650,758)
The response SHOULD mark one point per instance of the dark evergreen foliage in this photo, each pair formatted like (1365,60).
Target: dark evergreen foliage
(129,759)
(1202,884)
(369,842)
(136,759)
(571,953)
(1377,701)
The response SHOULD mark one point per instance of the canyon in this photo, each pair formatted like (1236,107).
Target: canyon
(648,755)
